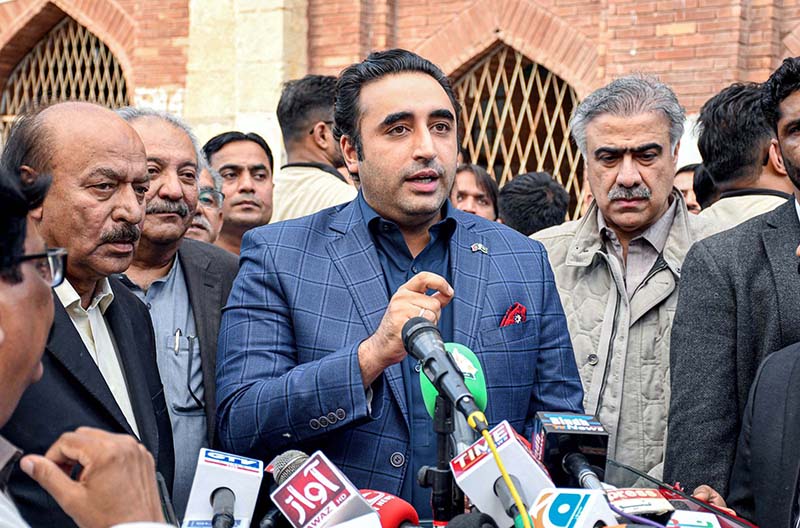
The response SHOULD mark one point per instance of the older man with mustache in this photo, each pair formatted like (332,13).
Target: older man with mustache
(617,269)
(183,283)
(99,362)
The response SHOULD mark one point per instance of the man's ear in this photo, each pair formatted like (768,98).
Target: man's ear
(350,154)
(776,158)
(322,136)
(675,154)
(27,176)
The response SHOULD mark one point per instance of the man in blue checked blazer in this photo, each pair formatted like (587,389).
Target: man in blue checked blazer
(310,354)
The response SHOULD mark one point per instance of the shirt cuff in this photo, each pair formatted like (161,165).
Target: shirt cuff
(368,395)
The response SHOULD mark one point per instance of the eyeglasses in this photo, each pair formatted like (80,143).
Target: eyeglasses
(210,197)
(50,265)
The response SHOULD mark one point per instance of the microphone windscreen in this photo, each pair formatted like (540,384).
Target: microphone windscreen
(285,464)
(470,367)
(472,520)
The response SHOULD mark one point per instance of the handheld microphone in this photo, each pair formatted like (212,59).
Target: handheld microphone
(224,490)
(467,362)
(393,511)
(313,492)
(571,508)
(423,341)
(572,446)
(642,502)
(475,472)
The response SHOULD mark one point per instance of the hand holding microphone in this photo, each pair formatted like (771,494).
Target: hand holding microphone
(385,347)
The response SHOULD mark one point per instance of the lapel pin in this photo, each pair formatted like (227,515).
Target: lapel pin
(479,247)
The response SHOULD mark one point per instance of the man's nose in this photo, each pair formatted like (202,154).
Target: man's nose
(628,175)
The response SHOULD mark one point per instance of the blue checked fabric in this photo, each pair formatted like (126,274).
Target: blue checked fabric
(310,290)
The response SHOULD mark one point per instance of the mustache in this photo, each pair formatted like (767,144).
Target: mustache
(201,222)
(126,233)
(246,197)
(619,192)
(431,165)
(159,206)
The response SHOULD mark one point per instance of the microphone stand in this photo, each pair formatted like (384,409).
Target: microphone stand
(447,499)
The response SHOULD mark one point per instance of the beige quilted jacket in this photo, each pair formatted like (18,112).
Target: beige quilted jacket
(621,347)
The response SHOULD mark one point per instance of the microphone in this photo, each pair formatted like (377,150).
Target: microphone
(313,492)
(423,341)
(472,520)
(571,508)
(572,446)
(474,379)
(224,490)
(641,502)
(475,472)
(393,511)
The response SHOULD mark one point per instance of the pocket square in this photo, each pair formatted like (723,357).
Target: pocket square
(516,314)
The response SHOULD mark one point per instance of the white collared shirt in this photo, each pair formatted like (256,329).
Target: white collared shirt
(96,335)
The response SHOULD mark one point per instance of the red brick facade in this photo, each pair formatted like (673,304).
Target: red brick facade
(697,46)
(148,38)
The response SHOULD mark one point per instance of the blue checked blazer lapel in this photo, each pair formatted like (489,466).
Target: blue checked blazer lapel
(355,257)
(469,271)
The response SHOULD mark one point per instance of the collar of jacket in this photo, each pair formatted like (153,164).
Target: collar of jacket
(587,242)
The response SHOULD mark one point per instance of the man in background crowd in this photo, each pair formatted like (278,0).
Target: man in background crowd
(118,480)
(475,191)
(617,268)
(736,143)
(99,363)
(310,181)
(684,182)
(531,202)
(741,304)
(244,161)
(207,219)
(184,285)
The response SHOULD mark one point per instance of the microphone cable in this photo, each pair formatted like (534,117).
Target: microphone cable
(477,420)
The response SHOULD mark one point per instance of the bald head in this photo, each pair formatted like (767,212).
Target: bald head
(95,206)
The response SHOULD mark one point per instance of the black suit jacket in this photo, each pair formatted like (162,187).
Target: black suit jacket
(209,272)
(73,393)
(765,475)
(739,301)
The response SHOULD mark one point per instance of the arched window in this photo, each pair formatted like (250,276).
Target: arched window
(69,63)
(516,117)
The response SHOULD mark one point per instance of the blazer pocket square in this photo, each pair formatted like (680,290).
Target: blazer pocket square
(516,314)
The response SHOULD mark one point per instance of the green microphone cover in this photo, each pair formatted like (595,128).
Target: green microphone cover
(474,379)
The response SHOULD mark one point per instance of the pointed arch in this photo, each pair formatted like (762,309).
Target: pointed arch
(106,19)
(538,34)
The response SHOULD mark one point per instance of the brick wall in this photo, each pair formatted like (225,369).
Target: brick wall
(148,38)
(697,46)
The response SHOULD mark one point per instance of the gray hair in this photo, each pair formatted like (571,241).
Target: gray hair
(629,96)
(132,113)
(215,175)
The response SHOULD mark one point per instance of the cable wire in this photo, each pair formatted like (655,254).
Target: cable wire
(477,421)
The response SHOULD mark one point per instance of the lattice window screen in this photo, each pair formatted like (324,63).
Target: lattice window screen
(69,63)
(516,116)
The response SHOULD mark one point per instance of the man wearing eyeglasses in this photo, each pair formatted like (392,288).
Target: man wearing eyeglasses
(184,294)
(207,220)
(118,481)
(99,363)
